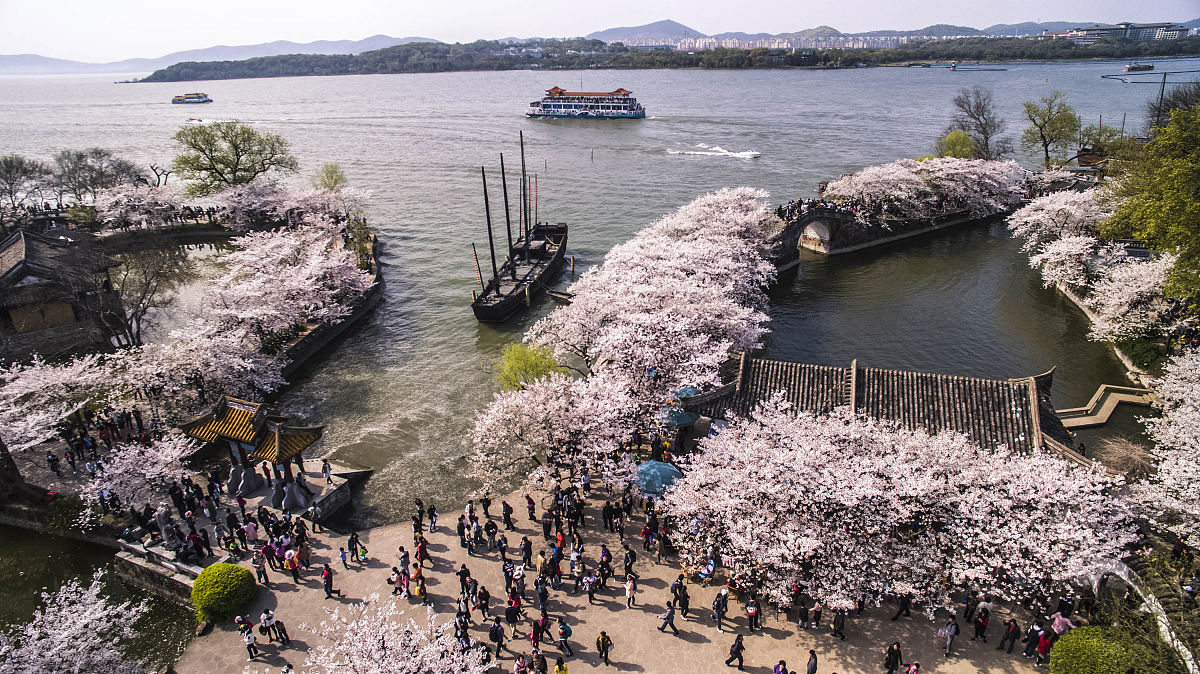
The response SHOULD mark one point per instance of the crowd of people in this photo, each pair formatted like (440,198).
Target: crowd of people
(568,561)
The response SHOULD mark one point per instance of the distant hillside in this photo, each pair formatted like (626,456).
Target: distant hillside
(1194,23)
(936,30)
(1033,28)
(742,36)
(32,64)
(812,33)
(666,28)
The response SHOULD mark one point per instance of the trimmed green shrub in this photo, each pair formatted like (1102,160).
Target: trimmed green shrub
(222,591)
(1092,650)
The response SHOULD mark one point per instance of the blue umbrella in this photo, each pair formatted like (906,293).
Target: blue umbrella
(655,476)
(674,416)
(686,392)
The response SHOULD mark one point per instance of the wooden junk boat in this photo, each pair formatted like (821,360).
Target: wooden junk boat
(534,258)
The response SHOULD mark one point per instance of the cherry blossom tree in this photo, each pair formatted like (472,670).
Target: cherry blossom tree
(554,422)
(374,637)
(662,312)
(917,189)
(1065,261)
(137,473)
(280,279)
(36,396)
(1171,497)
(1058,215)
(78,629)
(129,204)
(844,506)
(1125,300)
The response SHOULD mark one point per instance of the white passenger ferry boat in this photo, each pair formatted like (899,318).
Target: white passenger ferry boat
(587,105)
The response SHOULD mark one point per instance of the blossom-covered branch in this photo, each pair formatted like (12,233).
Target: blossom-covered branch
(374,637)
(77,630)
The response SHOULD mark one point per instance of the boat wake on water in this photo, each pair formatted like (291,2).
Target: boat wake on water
(718,151)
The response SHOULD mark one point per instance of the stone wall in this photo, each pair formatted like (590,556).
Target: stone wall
(153,578)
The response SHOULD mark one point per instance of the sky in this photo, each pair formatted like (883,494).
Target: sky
(110,30)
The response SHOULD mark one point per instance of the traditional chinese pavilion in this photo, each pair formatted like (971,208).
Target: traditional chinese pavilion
(255,432)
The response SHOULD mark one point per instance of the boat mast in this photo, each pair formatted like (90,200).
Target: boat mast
(512,263)
(475,254)
(535,199)
(525,196)
(487,211)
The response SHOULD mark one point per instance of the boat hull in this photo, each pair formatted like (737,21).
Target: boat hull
(498,311)
(640,114)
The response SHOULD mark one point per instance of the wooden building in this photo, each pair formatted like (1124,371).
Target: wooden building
(1017,413)
(253,433)
(52,294)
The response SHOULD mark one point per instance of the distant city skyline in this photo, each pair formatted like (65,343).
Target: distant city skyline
(101,31)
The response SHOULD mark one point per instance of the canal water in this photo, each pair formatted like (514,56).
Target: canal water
(400,393)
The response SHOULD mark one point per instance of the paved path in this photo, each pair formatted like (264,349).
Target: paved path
(639,647)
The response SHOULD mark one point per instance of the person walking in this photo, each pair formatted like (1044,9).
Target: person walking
(982,615)
(266,623)
(719,606)
(604,645)
(893,659)
(630,590)
(433,515)
(736,651)
(496,635)
(564,633)
(249,639)
(1043,648)
(948,633)
(752,613)
(1012,632)
(780,668)
(839,624)
(327,582)
(668,620)
(560,667)
(905,606)
(506,513)
(812,661)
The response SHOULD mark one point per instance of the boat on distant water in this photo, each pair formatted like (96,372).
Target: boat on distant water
(192,98)
(534,259)
(1138,67)
(587,105)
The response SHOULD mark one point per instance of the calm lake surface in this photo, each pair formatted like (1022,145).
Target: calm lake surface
(400,393)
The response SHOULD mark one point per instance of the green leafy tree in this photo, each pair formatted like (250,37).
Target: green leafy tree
(1182,97)
(220,155)
(1053,126)
(1160,190)
(956,144)
(521,364)
(329,177)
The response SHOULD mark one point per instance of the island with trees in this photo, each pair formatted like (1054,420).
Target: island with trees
(567,54)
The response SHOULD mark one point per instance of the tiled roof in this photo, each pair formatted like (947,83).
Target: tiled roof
(255,424)
(992,412)
(229,418)
(280,443)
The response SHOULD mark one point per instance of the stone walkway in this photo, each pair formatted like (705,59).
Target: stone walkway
(638,646)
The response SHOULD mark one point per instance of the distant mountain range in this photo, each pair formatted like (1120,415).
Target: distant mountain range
(32,64)
(675,30)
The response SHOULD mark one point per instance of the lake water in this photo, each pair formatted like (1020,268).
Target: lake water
(400,393)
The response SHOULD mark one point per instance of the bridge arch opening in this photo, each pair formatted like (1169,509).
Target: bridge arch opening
(815,237)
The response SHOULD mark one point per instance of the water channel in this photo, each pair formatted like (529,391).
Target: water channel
(399,394)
